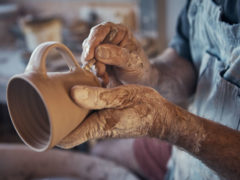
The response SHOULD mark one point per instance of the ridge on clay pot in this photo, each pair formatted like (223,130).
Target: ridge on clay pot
(39,103)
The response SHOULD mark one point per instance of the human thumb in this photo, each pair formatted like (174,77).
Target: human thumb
(100,98)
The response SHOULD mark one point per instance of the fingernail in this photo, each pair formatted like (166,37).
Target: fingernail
(81,93)
(103,52)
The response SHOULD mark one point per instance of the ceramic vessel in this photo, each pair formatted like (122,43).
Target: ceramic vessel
(39,102)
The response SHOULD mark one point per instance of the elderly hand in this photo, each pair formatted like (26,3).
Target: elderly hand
(115,45)
(122,112)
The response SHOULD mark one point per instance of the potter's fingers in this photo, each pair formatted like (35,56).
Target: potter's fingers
(90,128)
(129,42)
(101,72)
(127,39)
(105,79)
(112,55)
(101,68)
(96,36)
(100,98)
(116,35)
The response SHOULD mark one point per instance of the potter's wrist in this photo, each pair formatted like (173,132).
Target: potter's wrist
(183,129)
(169,122)
(161,122)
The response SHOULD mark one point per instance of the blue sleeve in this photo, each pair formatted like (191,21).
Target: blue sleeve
(180,41)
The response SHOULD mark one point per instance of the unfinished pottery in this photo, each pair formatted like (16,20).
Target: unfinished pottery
(39,102)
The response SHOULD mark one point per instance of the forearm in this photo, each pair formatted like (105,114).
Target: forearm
(172,76)
(216,145)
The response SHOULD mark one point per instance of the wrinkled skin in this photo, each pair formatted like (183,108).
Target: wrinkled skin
(130,111)
(114,45)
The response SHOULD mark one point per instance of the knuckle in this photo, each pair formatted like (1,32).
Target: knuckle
(100,26)
(122,26)
(95,27)
(108,23)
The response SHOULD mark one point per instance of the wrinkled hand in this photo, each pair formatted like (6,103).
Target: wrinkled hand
(115,45)
(122,112)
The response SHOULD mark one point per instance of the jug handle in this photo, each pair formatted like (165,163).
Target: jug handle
(37,62)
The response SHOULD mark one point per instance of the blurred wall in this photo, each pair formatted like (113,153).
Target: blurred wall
(166,12)
(67,9)
(173,8)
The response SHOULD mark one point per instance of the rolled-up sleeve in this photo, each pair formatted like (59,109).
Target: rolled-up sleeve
(180,41)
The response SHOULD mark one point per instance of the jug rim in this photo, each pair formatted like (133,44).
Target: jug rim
(33,86)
